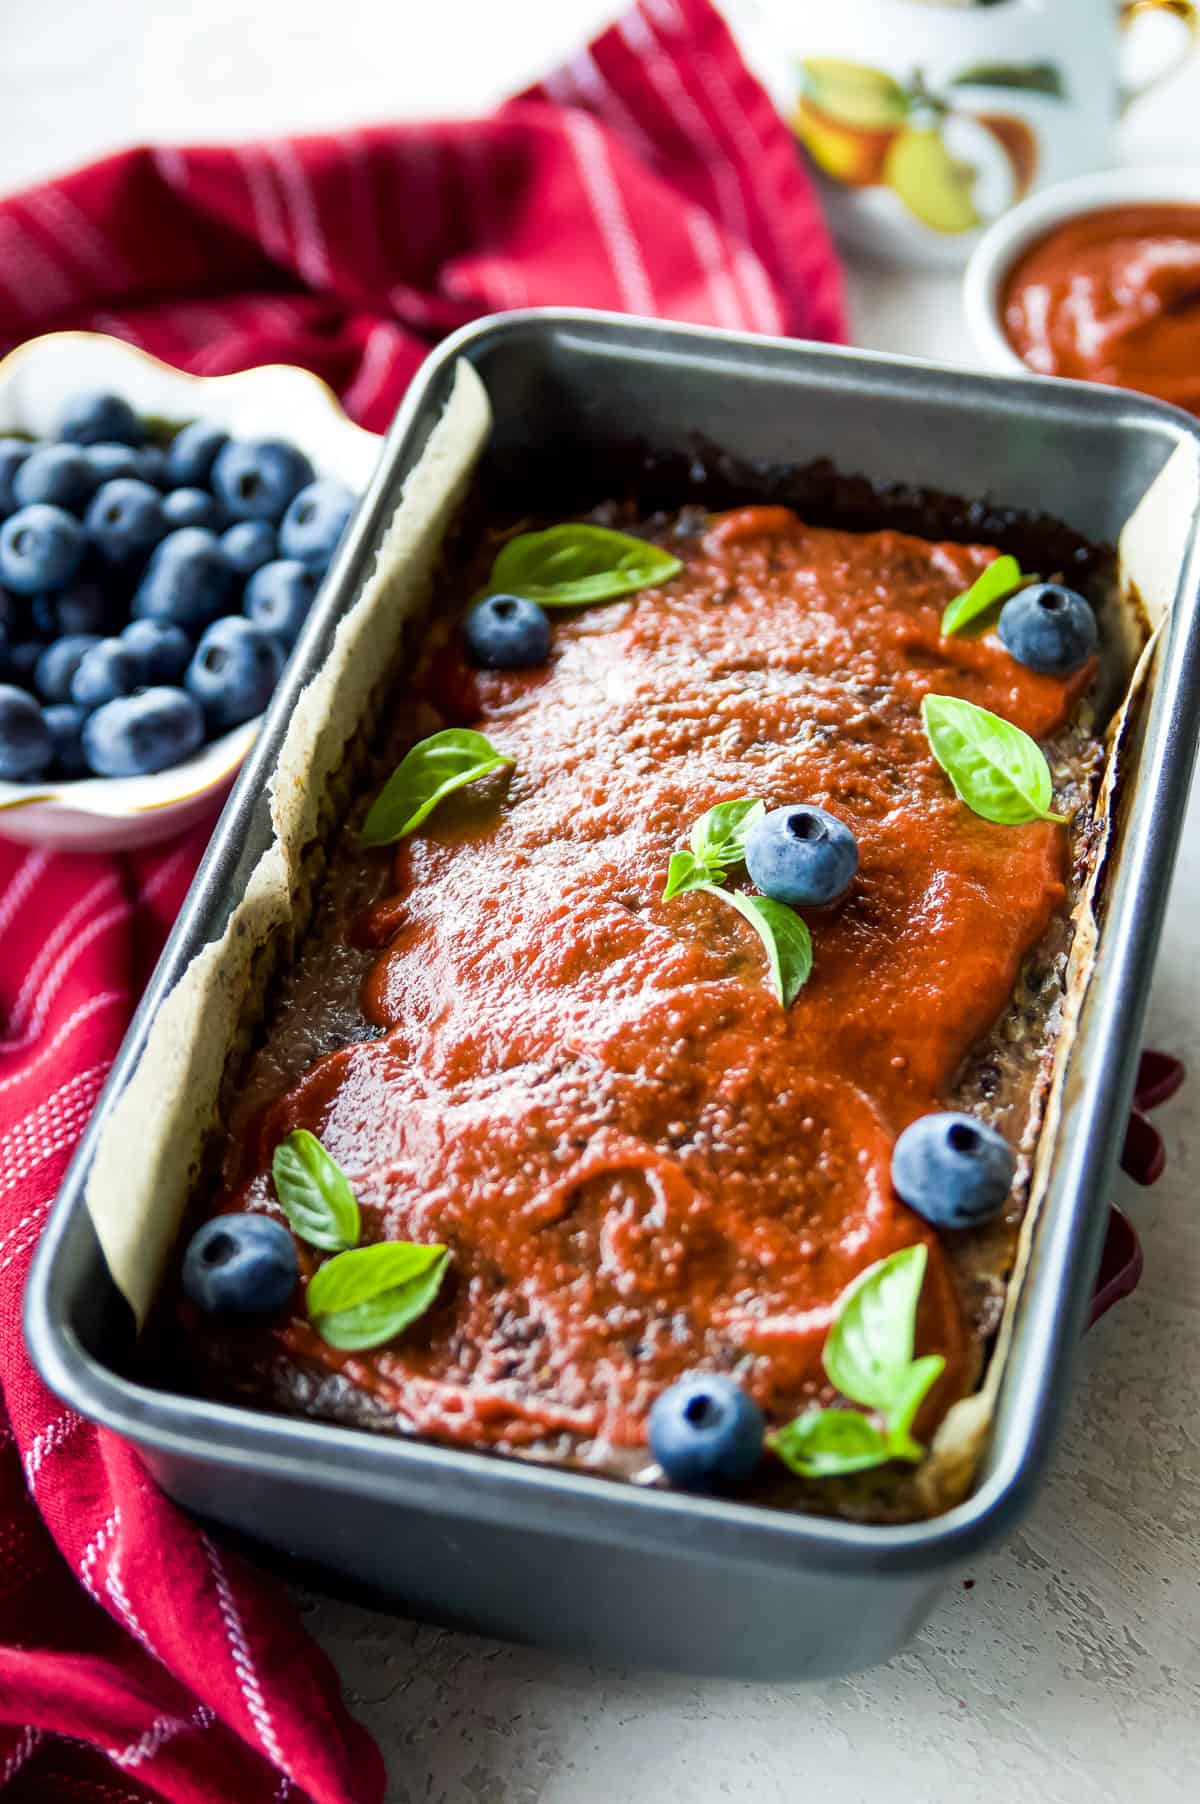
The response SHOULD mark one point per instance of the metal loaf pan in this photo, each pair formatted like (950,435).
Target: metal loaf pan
(601,1568)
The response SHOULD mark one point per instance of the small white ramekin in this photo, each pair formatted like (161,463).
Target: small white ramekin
(92,814)
(1014,232)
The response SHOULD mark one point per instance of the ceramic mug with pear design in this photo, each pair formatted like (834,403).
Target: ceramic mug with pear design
(926,119)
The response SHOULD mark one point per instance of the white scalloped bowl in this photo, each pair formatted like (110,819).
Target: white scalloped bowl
(96,814)
(1004,243)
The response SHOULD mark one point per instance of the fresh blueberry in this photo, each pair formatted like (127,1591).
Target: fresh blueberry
(187,580)
(23,661)
(61,474)
(26,747)
(14,625)
(240,1265)
(161,652)
(256,478)
(109,461)
(84,608)
(1048,628)
(94,418)
(106,670)
(125,518)
(248,545)
(705,1432)
(13,452)
(65,723)
(41,547)
(141,733)
(315,521)
(58,663)
(43,616)
(191,507)
(278,598)
(192,453)
(801,855)
(507,632)
(234,672)
(953,1170)
(152,466)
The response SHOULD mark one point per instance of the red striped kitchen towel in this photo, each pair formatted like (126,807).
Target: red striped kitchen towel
(137,1659)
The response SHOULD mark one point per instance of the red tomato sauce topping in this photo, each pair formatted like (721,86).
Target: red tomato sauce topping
(1114,296)
(643,1165)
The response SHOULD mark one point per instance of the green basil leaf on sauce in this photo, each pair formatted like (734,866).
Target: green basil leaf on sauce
(869,1349)
(425,776)
(996,769)
(825,1443)
(572,565)
(314,1193)
(685,872)
(785,938)
(868,1356)
(911,1392)
(368,1295)
(1002,578)
(717,840)
(719,837)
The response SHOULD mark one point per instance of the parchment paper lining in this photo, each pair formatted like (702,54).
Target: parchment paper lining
(169,1107)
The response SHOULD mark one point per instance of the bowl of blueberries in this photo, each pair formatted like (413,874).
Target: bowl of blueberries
(162,540)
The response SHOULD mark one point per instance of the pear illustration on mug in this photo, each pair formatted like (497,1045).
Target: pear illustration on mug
(954,159)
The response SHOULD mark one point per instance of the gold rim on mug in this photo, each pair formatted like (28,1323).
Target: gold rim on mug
(1184,10)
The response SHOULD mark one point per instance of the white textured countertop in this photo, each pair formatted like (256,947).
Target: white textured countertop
(1069,1671)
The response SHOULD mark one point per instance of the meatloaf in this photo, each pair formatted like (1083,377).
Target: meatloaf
(643,1165)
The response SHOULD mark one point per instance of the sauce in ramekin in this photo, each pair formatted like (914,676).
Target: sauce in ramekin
(1113,296)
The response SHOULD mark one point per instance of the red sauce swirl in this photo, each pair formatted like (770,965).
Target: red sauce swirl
(642,1163)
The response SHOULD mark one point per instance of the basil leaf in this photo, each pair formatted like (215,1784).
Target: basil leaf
(824,1443)
(1001,579)
(719,837)
(996,769)
(569,566)
(365,1297)
(869,1357)
(910,1393)
(783,933)
(869,1349)
(425,776)
(685,872)
(314,1193)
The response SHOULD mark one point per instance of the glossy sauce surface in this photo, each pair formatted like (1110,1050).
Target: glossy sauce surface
(642,1163)
(1114,296)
